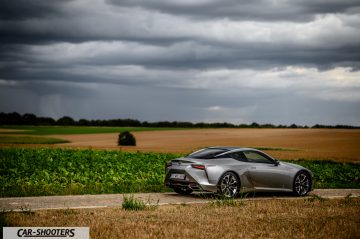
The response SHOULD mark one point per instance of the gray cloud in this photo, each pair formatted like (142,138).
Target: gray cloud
(206,60)
(23,9)
(257,10)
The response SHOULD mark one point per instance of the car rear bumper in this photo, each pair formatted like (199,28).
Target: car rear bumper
(192,184)
(195,179)
(182,184)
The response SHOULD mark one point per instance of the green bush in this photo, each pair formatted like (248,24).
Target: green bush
(127,139)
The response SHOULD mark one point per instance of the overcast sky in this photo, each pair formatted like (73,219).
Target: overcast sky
(279,61)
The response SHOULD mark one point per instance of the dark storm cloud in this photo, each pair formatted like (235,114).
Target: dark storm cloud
(25,9)
(45,22)
(258,10)
(183,56)
(203,43)
(179,49)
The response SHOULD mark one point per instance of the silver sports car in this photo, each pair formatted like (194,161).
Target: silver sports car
(230,170)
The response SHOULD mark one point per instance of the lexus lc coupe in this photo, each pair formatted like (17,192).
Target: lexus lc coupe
(230,170)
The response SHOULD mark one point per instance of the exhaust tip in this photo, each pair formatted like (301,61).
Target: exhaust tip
(194,186)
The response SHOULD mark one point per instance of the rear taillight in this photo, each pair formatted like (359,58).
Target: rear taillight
(198,166)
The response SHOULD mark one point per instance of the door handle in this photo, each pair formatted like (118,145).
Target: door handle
(252,167)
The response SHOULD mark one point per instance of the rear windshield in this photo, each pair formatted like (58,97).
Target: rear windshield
(206,153)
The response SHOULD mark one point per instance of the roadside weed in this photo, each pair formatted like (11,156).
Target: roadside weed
(226,202)
(133,204)
(315,197)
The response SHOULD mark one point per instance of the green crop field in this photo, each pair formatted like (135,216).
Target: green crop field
(50,130)
(45,171)
(30,140)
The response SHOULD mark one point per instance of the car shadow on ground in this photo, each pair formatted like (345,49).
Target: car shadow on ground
(258,195)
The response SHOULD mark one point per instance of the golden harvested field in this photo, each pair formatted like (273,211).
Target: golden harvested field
(303,218)
(336,144)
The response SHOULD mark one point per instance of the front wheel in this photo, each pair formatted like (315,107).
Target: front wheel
(183,191)
(302,184)
(229,185)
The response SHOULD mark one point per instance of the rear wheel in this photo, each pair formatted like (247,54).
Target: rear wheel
(229,185)
(302,184)
(183,191)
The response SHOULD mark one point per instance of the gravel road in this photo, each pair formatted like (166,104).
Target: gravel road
(115,200)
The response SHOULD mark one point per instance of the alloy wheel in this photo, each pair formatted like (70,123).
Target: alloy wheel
(229,185)
(302,184)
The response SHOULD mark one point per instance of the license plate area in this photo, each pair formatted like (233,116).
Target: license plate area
(178,176)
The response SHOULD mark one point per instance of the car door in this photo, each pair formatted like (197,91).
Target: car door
(265,173)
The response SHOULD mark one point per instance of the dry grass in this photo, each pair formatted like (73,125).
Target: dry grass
(254,219)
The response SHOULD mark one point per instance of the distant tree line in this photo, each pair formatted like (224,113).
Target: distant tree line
(31,119)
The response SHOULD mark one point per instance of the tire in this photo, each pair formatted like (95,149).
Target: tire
(183,191)
(302,184)
(229,185)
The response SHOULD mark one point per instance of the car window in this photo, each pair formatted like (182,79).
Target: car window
(257,157)
(238,156)
(206,153)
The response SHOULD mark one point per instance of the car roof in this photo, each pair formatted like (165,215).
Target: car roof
(231,148)
(235,149)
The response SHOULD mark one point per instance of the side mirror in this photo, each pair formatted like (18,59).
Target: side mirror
(276,163)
